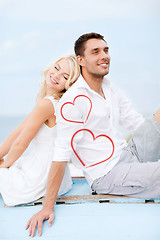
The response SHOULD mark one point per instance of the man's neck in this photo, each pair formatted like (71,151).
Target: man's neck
(94,83)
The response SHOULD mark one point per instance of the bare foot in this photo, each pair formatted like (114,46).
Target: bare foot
(157,116)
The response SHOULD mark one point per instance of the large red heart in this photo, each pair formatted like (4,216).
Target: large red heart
(72,120)
(94,138)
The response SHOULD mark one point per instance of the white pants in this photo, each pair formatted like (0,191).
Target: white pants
(137,173)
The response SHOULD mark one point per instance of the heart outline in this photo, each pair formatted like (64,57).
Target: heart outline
(74,104)
(94,138)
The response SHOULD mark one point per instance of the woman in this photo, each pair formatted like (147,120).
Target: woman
(24,179)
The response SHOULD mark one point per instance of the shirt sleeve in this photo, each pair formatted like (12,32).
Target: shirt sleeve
(69,120)
(129,117)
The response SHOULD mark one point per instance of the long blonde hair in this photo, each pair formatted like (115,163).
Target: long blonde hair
(74,74)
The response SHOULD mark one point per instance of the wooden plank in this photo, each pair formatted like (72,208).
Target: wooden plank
(79,199)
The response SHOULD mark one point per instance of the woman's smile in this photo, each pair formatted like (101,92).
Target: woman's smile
(53,80)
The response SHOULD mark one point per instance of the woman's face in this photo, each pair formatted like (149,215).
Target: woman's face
(58,75)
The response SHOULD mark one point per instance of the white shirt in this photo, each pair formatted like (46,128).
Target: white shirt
(87,127)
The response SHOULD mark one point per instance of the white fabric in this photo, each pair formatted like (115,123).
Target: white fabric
(82,108)
(26,179)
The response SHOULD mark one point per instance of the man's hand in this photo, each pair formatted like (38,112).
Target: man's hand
(38,219)
(55,177)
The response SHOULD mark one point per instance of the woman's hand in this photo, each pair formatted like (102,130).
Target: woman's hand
(37,221)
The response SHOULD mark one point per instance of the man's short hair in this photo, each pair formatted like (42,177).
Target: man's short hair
(79,45)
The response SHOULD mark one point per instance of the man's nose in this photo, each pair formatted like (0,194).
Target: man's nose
(104,55)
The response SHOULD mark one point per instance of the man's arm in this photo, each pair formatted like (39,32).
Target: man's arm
(62,154)
(129,117)
(55,177)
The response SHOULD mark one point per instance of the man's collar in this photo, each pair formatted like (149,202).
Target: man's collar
(81,83)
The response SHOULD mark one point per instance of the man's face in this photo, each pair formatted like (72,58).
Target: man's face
(96,59)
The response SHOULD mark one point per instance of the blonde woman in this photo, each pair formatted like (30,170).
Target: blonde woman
(24,179)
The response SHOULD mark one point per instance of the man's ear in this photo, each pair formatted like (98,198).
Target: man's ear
(80,60)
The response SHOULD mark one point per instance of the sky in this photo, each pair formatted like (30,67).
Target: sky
(34,33)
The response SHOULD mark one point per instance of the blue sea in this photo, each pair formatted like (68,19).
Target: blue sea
(9,123)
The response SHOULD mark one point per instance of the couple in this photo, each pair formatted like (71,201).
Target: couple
(87,119)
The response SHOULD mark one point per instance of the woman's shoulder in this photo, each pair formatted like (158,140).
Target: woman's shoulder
(47,104)
(52,100)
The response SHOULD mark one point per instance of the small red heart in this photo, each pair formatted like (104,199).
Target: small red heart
(94,138)
(71,120)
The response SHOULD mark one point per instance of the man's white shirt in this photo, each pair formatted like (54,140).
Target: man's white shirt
(87,127)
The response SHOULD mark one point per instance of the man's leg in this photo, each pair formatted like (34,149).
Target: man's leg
(137,173)
(135,179)
(147,139)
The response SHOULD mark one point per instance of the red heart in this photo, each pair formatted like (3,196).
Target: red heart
(71,120)
(94,138)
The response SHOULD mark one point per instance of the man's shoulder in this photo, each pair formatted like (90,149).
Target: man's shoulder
(73,91)
(110,85)
(114,89)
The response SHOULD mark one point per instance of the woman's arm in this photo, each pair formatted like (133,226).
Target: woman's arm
(42,111)
(5,147)
(1,161)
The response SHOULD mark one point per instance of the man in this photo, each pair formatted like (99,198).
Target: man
(87,132)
